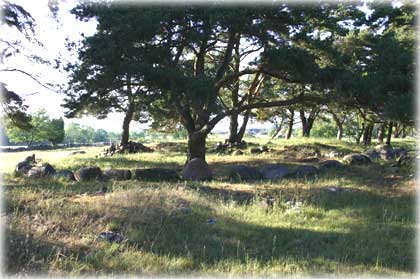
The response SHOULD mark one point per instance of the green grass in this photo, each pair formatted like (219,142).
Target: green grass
(52,225)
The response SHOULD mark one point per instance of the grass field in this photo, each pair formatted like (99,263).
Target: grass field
(52,226)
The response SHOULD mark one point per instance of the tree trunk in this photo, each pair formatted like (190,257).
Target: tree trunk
(233,128)
(367,135)
(404,132)
(381,133)
(359,136)
(278,129)
(339,124)
(388,136)
(340,132)
(241,132)
(196,146)
(290,124)
(126,124)
(397,131)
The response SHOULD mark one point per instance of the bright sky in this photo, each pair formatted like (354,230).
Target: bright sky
(53,35)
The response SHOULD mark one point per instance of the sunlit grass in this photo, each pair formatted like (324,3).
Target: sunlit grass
(53,225)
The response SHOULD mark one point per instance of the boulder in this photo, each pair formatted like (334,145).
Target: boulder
(35,172)
(305,171)
(47,169)
(66,174)
(264,148)
(244,172)
(372,154)
(401,151)
(356,159)
(88,173)
(330,164)
(237,152)
(386,152)
(117,174)
(78,152)
(23,167)
(274,171)
(156,174)
(41,171)
(255,150)
(197,169)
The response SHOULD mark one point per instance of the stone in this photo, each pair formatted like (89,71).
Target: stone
(117,174)
(197,169)
(264,148)
(78,152)
(112,236)
(237,152)
(66,174)
(401,151)
(255,150)
(305,171)
(156,174)
(274,171)
(47,169)
(244,172)
(88,173)
(372,154)
(35,172)
(333,154)
(41,171)
(356,159)
(23,167)
(386,153)
(330,164)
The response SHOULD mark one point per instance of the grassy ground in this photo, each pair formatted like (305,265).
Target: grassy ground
(53,225)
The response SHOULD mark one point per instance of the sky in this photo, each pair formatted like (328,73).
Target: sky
(53,35)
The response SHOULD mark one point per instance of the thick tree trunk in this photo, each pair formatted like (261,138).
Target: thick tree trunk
(397,131)
(290,124)
(339,124)
(367,135)
(307,123)
(388,136)
(241,132)
(361,131)
(381,132)
(404,132)
(196,146)
(126,124)
(233,128)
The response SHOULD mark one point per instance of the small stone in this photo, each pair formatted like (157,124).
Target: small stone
(112,236)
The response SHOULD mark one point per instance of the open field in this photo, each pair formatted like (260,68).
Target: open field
(53,225)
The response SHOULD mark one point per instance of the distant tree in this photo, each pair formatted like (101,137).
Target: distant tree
(42,129)
(55,131)
(100,136)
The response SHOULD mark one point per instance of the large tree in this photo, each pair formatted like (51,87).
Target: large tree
(182,54)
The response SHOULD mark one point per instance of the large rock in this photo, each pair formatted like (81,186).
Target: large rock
(372,154)
(305,171)
(386,152)
(41,171)
(356,159)
(401,151)
(274,171)
(66,174)
(117,174)
(255,150)
(197,169)
(24,166)
(89,173)
(244,172)
(330,164)
(156,174)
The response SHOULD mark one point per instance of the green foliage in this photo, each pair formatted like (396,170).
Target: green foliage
(324,129)
(42,129)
